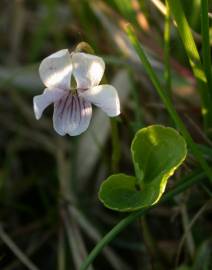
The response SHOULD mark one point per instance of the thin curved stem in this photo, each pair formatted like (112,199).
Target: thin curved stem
(183,185)
(110,236)
(116,154)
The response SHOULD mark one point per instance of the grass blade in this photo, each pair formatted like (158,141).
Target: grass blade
(167,102)
(167,68)
(206,43)
(194,59)
(187,39)
(16,250)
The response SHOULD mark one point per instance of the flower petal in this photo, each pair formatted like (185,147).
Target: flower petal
(72,115)
(104,96)
(88,69)
(42,101)
(55,70)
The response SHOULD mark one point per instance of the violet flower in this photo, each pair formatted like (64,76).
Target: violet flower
(72,104)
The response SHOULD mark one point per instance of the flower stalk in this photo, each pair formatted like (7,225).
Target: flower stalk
(116,154)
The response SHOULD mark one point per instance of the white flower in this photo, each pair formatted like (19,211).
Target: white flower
(72,106)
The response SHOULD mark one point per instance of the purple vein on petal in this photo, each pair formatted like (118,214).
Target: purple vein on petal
(77,112)
(67,111)
(74,113)
(83,110)
(80,109)
(71,111)
(64,104)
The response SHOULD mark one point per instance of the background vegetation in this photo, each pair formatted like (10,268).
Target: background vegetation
(50,214)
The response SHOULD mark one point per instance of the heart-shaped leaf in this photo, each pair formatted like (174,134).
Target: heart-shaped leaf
(119,192)
(157,152)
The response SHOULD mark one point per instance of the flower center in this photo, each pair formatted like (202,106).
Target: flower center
(73,86)
(73,91)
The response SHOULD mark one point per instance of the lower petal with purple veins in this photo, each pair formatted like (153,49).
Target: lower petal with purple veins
(72,115)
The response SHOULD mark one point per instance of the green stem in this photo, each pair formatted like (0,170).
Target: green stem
(167,102)
(85,47)
(110,236)
(167,68)
(116,145)
(138,110)
(183,185)
(206,43)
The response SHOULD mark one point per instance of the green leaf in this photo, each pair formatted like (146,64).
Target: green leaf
(118,192)
(157,152)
